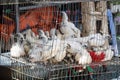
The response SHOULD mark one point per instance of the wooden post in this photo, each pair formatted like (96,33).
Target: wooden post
(91,12)
(102,7)
(88,18)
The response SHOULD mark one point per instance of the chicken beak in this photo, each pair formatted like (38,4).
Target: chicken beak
(68,46)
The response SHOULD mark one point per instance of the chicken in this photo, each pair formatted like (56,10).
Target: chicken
(108,54)
(61,52)
(27,46)
(81,40)
(60,55)
(97,40)
(47,34)
(81,54)
(22,44)
(68,28)
(84,40)
(47,51)
(83,57)
(59,35)
(35,54)
(53,33)
(42,36)
(30,36)
(17,49)
(73,47)
(52,46)
(87,38)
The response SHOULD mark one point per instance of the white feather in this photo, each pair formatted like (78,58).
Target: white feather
(17,50)
(50,49)
(35,54)
(96,40)
(83,58)
(74,47)
(61,52)
(47,34)
(47,51)
(68,28)
(108,54)
(30,36)
(81,54)
(59,35)
(42,36)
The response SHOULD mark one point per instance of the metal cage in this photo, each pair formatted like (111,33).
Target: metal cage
(18,15)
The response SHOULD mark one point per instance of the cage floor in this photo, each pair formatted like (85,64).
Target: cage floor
(111,70)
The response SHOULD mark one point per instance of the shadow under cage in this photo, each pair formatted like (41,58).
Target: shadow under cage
(57,40)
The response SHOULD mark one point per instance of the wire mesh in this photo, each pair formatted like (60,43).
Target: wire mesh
(100,72)
(45,15)
(5,2)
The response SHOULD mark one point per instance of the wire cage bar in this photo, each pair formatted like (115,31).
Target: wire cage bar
(44,1)
(24,22)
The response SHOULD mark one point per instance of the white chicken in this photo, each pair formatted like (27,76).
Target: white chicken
(60,55)
(61,52)
(52,46)
(53,33)
(35,54)
(108,54)
(97,40)
(84,40)
(83,57)
(73,47)
(47,51)
(42,36)
(81,40)
(81,54)
(27,46)
(17,49)
(59,35)
(47,34)
(68,28)
(30,36)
